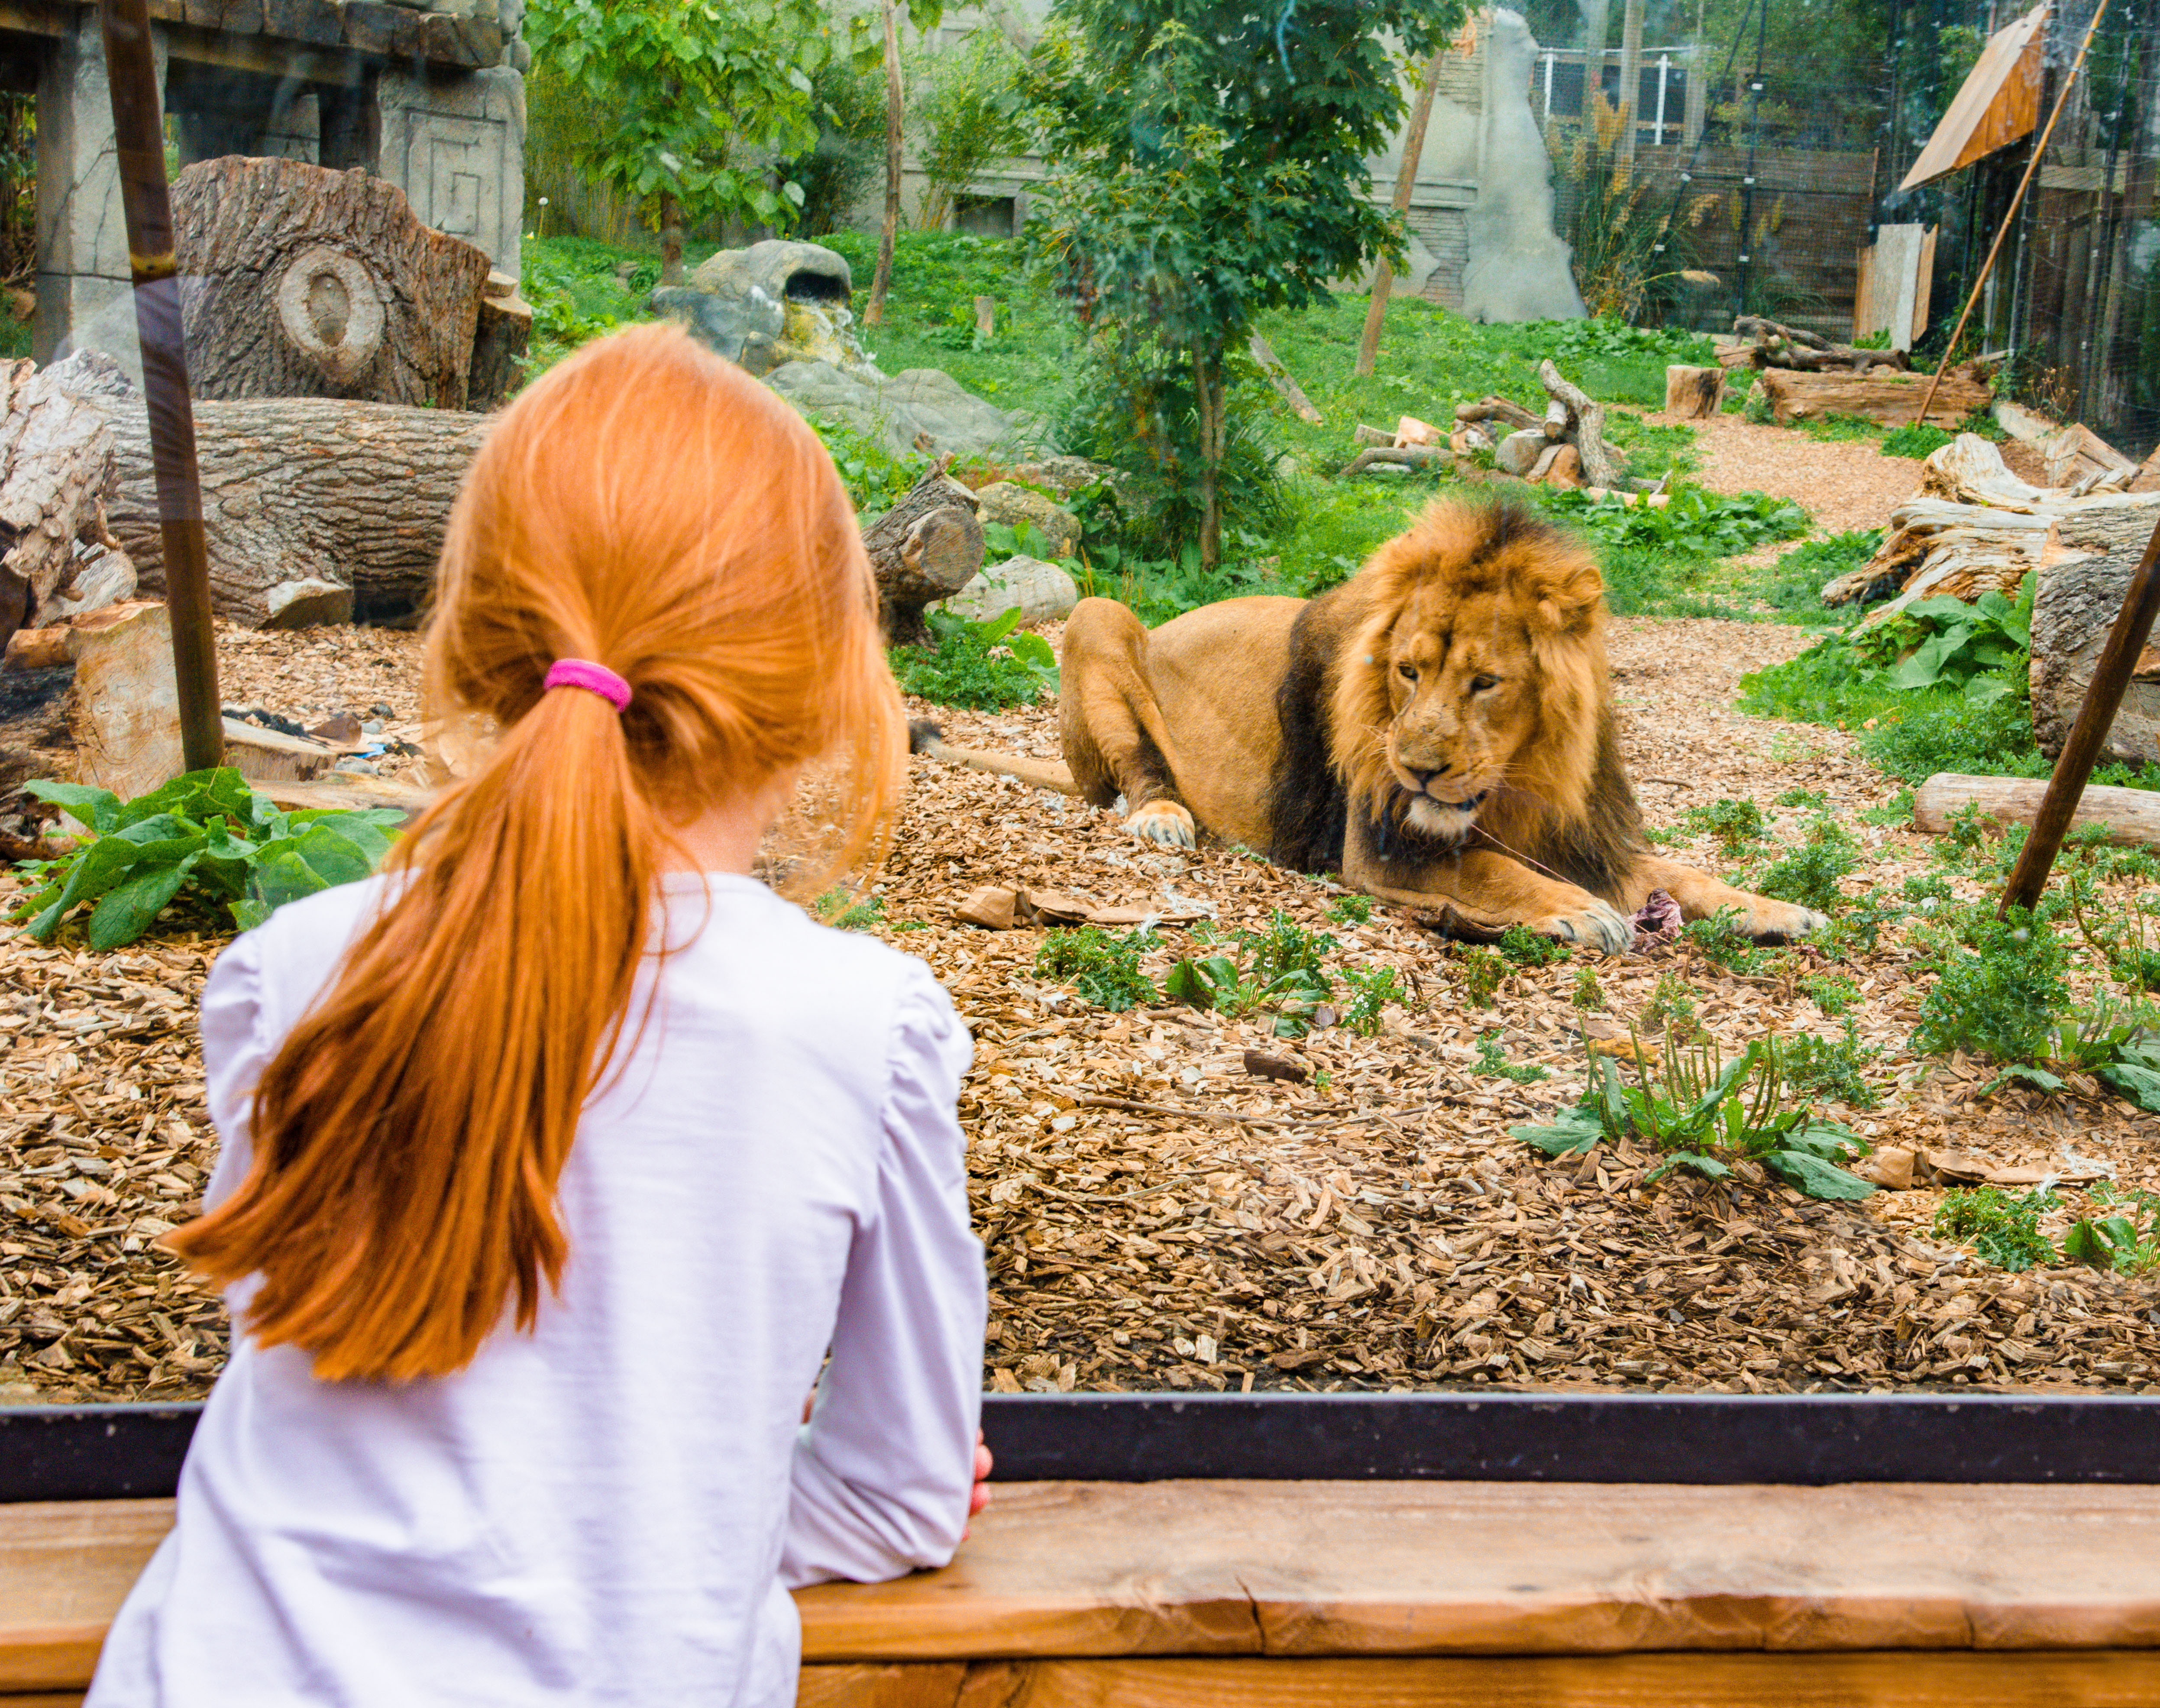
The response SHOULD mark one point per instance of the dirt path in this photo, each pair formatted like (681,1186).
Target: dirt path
(1157,1215)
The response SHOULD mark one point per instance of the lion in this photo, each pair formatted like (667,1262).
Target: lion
(1437,730)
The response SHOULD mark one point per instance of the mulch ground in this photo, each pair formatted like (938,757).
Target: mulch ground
(1157,1215)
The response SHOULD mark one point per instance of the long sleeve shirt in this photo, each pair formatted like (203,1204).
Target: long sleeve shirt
(612,1507)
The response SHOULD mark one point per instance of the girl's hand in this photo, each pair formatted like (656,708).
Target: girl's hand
(979,1496)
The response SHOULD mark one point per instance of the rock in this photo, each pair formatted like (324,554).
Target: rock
(1516,268)
(774,303)
(1064,475)
(1012,503)
(1517,454)
(1041,591)
(304,603)
(2076,606)
(922,410)
(1565,469)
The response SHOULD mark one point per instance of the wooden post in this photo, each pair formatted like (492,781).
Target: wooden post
(138,130)
(2118,659)
(1384,271)
(2009,218)
(986,316)
(896,111)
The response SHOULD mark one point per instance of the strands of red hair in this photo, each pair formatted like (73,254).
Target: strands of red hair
(647,506)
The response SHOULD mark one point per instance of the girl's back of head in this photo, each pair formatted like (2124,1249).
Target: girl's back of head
(650,508)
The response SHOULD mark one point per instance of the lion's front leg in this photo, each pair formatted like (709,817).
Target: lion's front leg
(1495,890)
(1702,896)
(1112,728)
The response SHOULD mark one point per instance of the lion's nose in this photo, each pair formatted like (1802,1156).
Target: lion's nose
(1425,777)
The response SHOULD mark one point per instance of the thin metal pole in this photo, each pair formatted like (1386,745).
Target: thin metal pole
(2010,217)
(1754,138)
(2118,658)
(131,70)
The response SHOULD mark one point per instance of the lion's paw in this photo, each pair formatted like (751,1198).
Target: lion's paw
(1767,918)
(1163,821)
(1596,926)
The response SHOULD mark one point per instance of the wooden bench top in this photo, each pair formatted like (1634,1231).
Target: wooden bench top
(1066,1571)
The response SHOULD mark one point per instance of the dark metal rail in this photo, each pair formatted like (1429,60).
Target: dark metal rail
(107,1452)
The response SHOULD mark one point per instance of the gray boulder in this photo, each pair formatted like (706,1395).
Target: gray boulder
(920,410)
(746,329)
(780,269)
(1041,591)
(1010,503)
(774,303)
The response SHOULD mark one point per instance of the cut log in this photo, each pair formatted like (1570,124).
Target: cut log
(300,282)
(1892,399)
(1409,431)
(1970,470)
(2075,607)
(1365,433)
(2076,454)
(927,546)
(2131,816)
(1793,347)
(1600,466)
(1504,410)
(1694,394)
(1558,422)
(499,342)
(307,489)
(2147,478)
(1286,387)
(1404,456)
(107,714)
(56,480)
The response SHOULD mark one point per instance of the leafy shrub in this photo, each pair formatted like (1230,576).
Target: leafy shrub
(1587,994)
(1809,874)
(1814,800)
(1831,1067)
(1104,967)
(1794,584)
(1833,993)
(874,476)
(1705,1114)
(1529,948)
(1671,1007)
(1732,824)
(2001,1230)
(206,838)
(1482,970)
(986,665)
(1376,988)
(1492,1060)
(2127,1244)
(1720,940)
(1914,439)
(1351,910)
(1945,642)
(1279,969)
(1696,523)
(2005,997)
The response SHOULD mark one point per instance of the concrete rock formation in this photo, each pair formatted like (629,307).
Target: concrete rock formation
(1009,502)
(774,303)
(1518,268)
(1041,592)
(922,410)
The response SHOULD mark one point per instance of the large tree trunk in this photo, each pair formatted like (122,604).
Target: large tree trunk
(303,496)
(56,480)
(2131,816)
(927,547)
(1892,399)
(896,111)
(299,282)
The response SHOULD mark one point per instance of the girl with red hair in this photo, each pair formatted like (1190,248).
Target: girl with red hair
(558,1159)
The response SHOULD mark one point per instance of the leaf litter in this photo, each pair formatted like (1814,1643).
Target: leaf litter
(1173,1198)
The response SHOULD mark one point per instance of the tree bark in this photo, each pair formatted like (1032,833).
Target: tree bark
(299,282)
(1286,387)
(104,712)
(57,479)
(1694,394)
(1600,467)
(299,491)
(927,547)
(896,111)
(1206,377)
(671,240)
(1493,409)
(2132,816)
(1892,399)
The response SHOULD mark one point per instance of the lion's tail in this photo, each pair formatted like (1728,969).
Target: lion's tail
(926,738)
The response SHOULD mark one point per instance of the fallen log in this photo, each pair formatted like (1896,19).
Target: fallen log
(1402,456)
(1285,387)
(94,702)
(1692,393)
(1892,399)
(2131,816)
(302,282)
(1796,348)
(56,480)
(315,509)
(1497,409)
(927,546)
(1600,466)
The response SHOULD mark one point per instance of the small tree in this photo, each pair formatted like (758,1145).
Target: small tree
(1209,165)
(968,112)
(699,95)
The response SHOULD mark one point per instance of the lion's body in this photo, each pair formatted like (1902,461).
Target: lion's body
(1438,729)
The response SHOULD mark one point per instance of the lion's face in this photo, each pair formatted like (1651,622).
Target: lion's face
(1478,666)
(1463,685)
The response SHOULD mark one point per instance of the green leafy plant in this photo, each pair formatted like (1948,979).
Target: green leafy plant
(1793,586)
(1351,910)
(1492,1060)
(1671,1006)
(873,475)
(1720,940)
(983,665)
(837,908)
(1705,1113)
(1587,994)
(2132,1069)
(206,837)
(1809,873)
(1695,523)
(1104,967)
(2002,1230)
(1734,825)
(2127,1242)
(967,111)
(1914,439)
(1375,989)
(1529,948)
(1833,993)
(1278,969)
(1482,970)
(2002,994)
(1831,1067)
(1951,643)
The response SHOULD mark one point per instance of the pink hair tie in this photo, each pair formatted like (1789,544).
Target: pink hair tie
(595,678)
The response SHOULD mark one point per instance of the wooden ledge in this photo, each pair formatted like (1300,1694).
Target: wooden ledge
(1485,1593)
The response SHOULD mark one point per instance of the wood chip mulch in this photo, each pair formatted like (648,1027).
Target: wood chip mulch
(1158,1214)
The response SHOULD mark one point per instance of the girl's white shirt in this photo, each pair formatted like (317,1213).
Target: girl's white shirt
(611,1509)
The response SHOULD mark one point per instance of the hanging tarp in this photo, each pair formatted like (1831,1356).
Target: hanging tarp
(1999,102)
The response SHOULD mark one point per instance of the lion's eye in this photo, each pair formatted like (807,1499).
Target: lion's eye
(1478,684)
(1407,671)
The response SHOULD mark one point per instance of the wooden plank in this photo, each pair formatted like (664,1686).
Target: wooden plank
(1079,1569)
(2131,816)
(1998,102)
(1893,1681)
(922,1684)
(64,1568)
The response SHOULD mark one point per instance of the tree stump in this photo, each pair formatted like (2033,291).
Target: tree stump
(1694,394)
(927,546)
(504,335)
(300,282)
(56,479)
(303,495)
(97,704)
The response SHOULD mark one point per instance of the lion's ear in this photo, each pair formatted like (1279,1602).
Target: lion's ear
(1568,602)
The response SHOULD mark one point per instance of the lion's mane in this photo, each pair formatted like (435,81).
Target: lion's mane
(1567,806)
